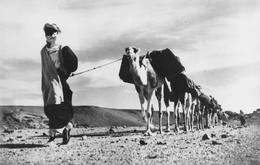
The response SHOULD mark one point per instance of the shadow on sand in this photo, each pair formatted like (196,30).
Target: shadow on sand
(111,134)
(96,134)
(16,146)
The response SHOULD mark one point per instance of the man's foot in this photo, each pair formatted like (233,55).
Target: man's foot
(51,139)
(50,142)
(66,136)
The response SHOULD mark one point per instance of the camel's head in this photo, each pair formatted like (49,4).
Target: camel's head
(132,52)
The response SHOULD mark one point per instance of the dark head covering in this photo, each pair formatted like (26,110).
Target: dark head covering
(49,29)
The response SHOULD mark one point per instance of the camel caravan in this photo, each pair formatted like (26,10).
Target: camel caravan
(160,72)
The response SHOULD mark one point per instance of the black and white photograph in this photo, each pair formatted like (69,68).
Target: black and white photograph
(130,82)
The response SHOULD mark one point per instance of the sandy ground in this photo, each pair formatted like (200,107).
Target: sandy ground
(128,145)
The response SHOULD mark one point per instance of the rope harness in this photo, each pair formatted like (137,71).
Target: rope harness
(75,74)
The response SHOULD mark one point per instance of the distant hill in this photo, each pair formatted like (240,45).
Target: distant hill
(251,118)
(232,115)
(19,117)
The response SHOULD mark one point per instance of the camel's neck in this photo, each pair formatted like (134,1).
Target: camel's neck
(138,72)
(135,65)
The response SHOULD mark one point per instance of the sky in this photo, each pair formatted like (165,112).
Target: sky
(218,42)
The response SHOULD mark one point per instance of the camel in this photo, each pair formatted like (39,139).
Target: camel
(203,108)
(149,74)
(198,114)
(216,108)
(146,81)
(202,111)
(206,109)
(187,104)
(184,95)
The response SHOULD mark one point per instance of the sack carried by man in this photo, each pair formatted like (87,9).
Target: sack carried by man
(70,60)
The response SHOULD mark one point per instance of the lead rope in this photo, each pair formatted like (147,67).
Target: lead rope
(75,74)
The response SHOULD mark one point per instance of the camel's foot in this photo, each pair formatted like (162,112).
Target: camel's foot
(152,126)
(168,129)
(144,118)
(207,127)
(186,129)
(176,128)
(192,130)
(149,133)
(161,132)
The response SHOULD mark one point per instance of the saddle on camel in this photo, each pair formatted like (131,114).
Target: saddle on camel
(163,61)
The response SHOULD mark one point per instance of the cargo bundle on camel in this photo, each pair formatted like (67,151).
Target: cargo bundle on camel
(163,61)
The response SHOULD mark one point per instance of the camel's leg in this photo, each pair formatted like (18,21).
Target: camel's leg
(192,116)
(151,119)
(200,120)
(193,106)
(199,114)
(212,119)
(204,117)
(215,119)
(166,97)
(186,111)
(179,117)
(209,118)
(196,116)
(160,117)
(149,115)
(142,102)
(202,124)
(184,116)
(168,119)
(189,111)
(199,126)
(177,108)
(158,94)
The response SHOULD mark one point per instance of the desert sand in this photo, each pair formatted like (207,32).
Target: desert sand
(230,144)
(128,145)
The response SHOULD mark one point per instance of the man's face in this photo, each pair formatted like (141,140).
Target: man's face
(50,35)
(51,38)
